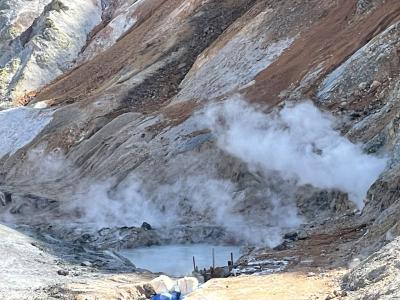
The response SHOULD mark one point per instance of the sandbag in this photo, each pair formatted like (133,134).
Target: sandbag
(162,284)
(188,285)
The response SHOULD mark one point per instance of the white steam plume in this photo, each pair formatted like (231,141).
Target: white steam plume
(97,205)
(299,142)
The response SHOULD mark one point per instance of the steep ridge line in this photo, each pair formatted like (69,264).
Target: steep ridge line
(147,12)
(95,76)
(340,40)
(82,81)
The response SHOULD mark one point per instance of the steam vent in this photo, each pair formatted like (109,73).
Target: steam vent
(200,149)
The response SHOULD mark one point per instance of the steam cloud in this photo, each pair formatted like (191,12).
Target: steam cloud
(283,150)
(299,142)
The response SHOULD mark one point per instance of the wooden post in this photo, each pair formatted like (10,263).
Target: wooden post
(230,265)
(232,258)
(194,264)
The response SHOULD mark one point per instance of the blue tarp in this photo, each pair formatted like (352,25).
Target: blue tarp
(167,296)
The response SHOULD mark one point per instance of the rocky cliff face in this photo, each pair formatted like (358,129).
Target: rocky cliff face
(36,51)
(190,115)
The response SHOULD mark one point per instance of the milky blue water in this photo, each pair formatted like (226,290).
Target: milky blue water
(176,260)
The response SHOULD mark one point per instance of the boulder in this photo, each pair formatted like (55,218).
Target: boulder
(375,84)
(146,226)
(5,198)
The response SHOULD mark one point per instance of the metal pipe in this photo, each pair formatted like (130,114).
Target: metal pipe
(213,257)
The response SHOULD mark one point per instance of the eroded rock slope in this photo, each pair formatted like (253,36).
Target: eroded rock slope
(122,132)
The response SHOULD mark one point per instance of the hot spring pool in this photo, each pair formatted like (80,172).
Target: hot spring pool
(177,260)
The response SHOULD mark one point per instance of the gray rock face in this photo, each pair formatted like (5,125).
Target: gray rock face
(16,18)
(344,82)
(118,18)
(34,55)
(364,5)
(378,276)
(24,267)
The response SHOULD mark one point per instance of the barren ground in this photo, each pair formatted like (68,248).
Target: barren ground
(284,286)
